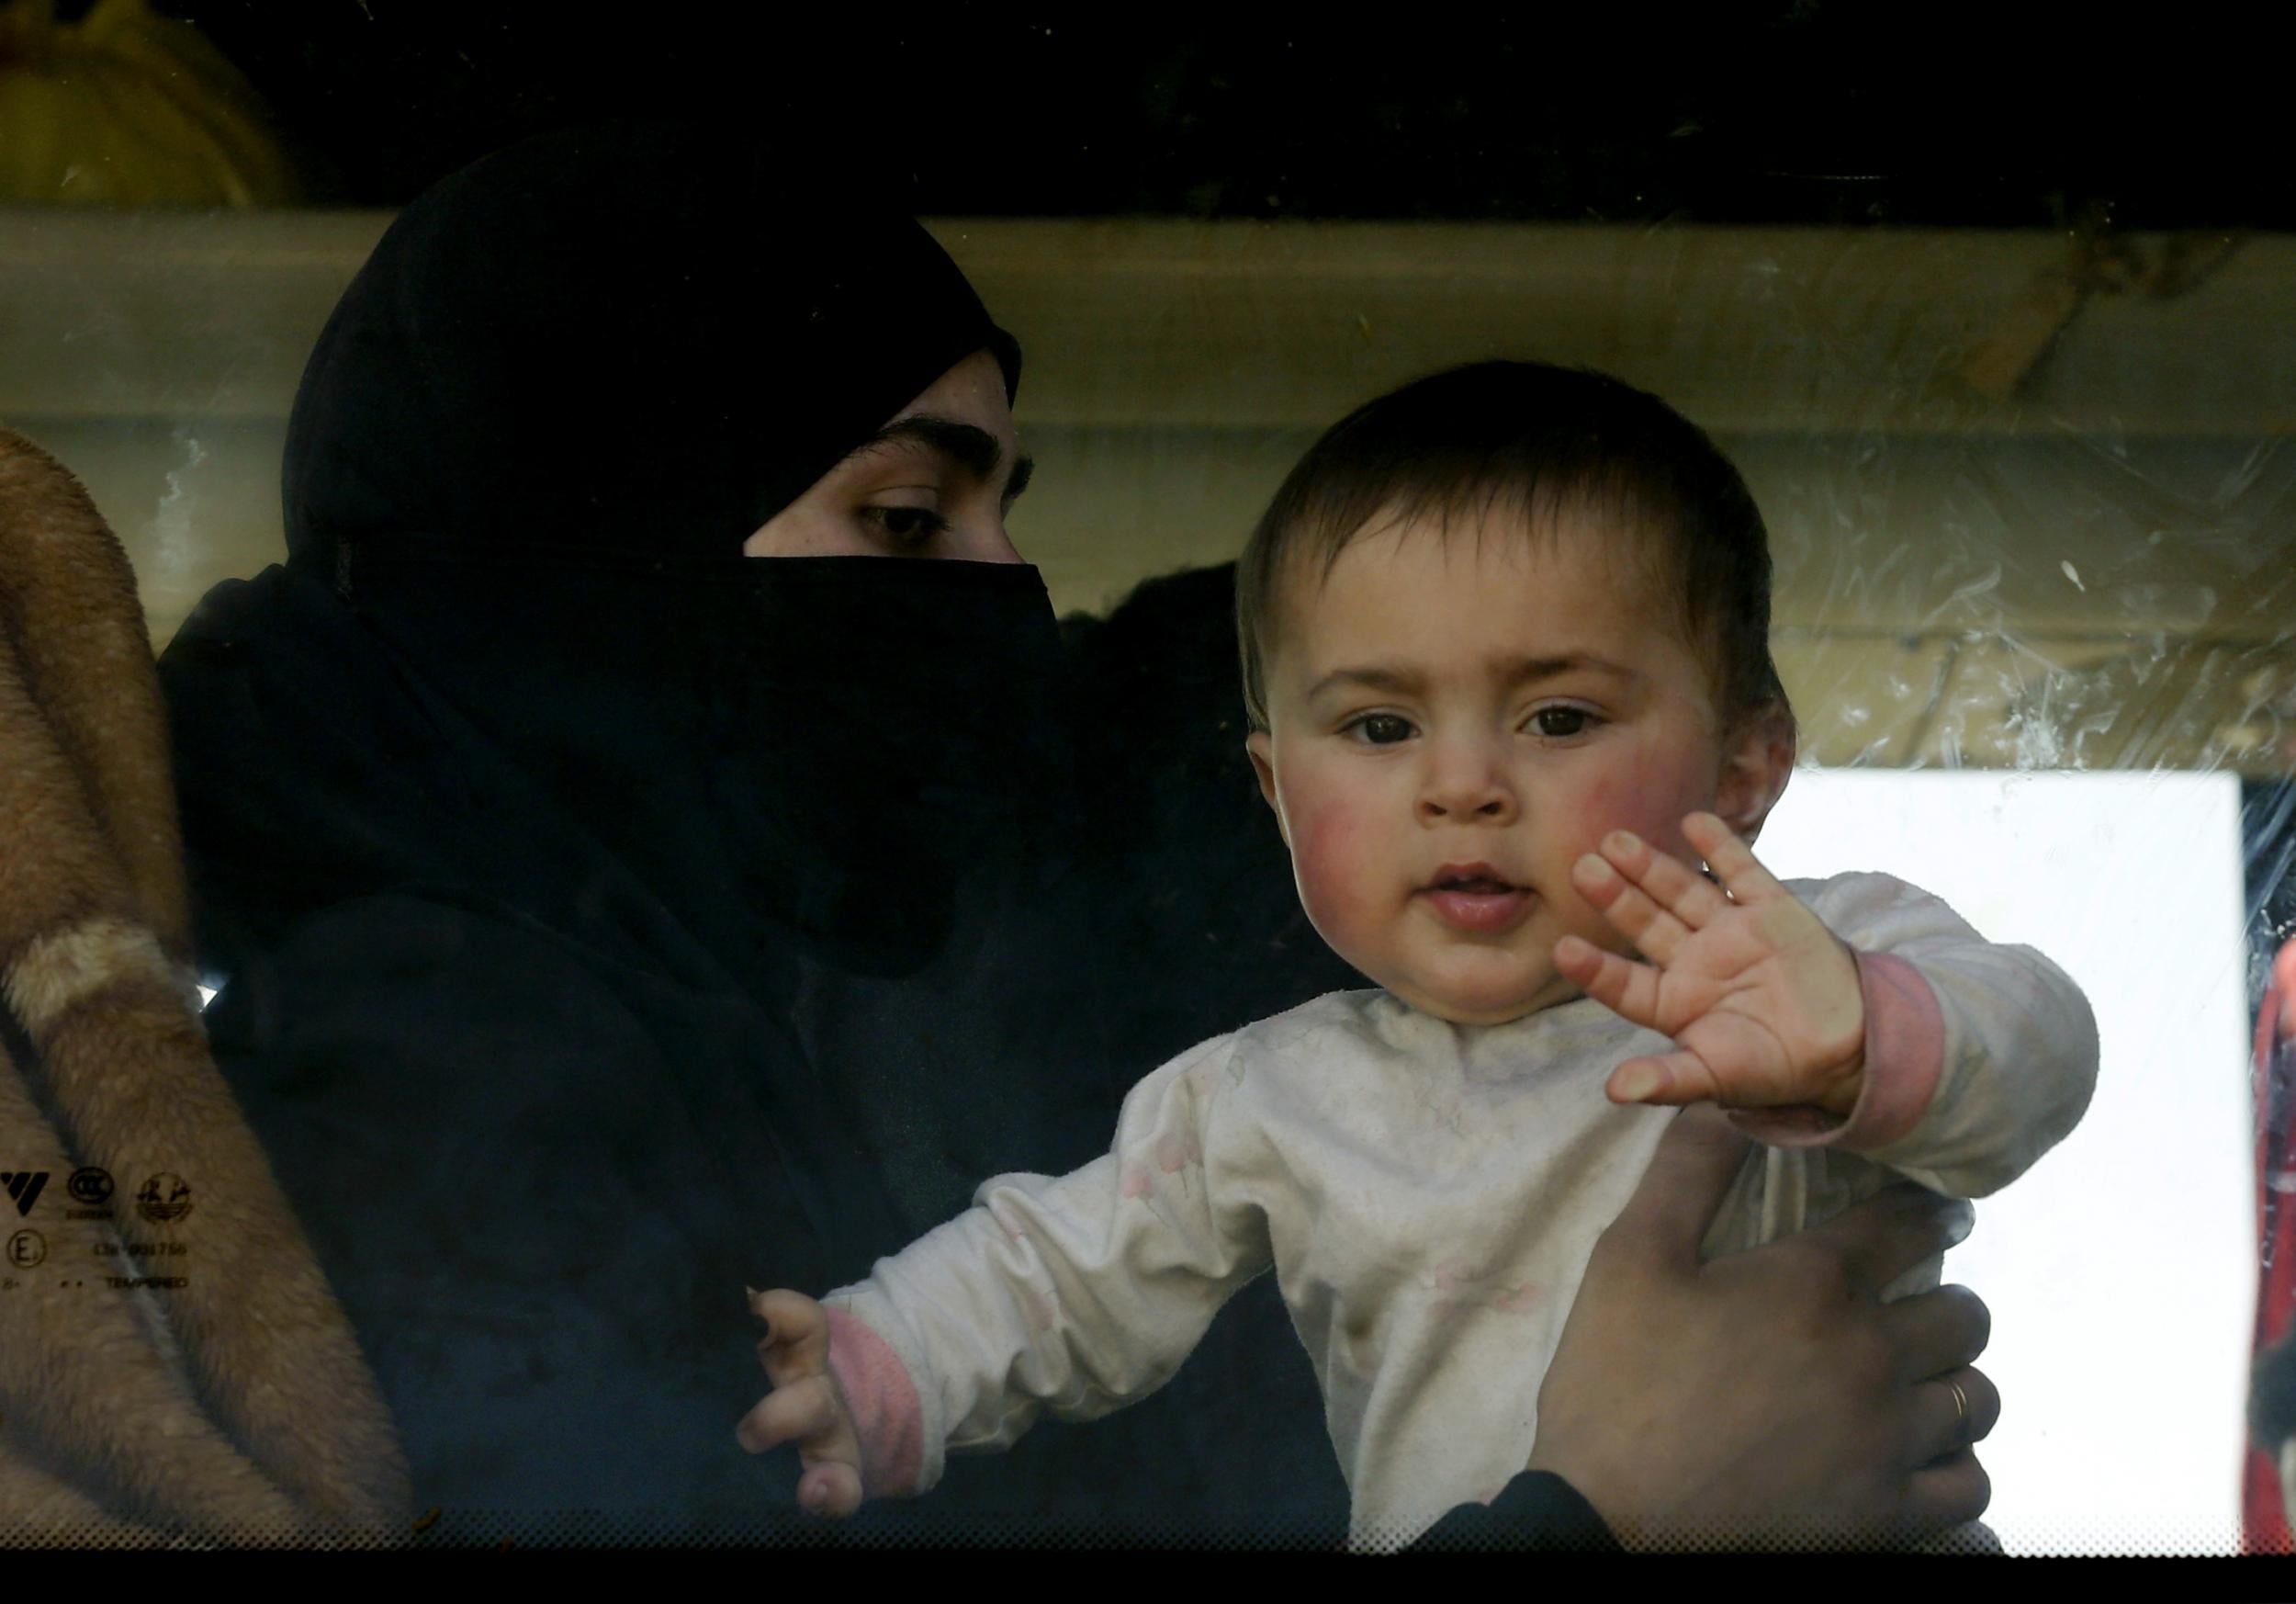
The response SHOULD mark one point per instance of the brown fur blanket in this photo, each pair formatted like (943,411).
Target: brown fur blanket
(174,1367)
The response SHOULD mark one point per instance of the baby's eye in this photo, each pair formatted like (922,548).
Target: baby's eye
(1381,728)
(1561,723)
(907,525)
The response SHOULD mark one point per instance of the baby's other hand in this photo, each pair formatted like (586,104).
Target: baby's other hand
(805,1405)
(1763,1000)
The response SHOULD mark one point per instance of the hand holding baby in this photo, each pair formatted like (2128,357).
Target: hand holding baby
(805,1405)
(1763,1000)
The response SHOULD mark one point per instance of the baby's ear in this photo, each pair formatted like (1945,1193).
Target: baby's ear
(1259,746)
(1756,764)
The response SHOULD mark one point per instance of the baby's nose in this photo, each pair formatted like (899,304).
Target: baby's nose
(1465,787)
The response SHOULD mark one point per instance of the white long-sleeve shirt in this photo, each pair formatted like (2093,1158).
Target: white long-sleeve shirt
(1429,1195)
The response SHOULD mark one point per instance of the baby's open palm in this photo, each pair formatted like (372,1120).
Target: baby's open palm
(1761,999)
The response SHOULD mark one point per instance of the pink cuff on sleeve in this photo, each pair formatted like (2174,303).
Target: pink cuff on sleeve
(1905,1055)
(883,1401)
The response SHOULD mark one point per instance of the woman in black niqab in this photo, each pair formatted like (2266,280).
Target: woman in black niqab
(605,919)
(525,454)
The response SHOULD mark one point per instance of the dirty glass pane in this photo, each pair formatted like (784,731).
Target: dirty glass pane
(2013,393)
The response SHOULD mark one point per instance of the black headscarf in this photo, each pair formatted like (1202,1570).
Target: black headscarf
(570,381)
(641,340)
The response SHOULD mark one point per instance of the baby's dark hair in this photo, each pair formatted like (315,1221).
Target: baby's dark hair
(1536,441)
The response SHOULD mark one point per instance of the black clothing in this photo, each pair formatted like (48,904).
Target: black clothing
(1537,1510)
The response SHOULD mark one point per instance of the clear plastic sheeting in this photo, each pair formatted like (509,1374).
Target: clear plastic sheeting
(2026,513)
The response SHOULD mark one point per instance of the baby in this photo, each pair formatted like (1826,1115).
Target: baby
(1505,656)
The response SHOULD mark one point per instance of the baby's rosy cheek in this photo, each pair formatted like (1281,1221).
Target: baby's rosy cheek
(1649,796)
(1616,801)
(1331,851)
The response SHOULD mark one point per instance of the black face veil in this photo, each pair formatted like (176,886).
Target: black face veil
(568,384)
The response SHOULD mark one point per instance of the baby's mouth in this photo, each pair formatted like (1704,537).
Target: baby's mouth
(1474,897)
(1478,885)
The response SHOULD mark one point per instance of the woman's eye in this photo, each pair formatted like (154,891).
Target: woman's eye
(1382,728)
(907,525)
(1560,723)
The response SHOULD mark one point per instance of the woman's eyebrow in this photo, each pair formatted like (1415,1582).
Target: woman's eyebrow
(970,447)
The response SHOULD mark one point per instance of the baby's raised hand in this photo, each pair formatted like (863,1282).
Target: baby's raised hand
(805,1406)
(1763,1000)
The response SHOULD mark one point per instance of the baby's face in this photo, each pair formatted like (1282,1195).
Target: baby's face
(1454,721)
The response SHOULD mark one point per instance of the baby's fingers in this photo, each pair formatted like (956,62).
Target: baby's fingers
(832,1488)
(1731,859)
(1669,1078)
(1627,989)
(809,1413)
(1694,901)
(796,1334)
(1657,933)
